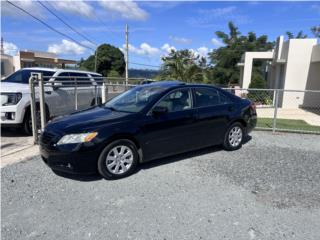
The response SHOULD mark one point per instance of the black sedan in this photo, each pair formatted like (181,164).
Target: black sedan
(144,123)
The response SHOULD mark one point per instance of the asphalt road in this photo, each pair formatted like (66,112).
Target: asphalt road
(270,189)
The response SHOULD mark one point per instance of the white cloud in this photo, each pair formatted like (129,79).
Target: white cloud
(219,12)
(207,18)
(167,48)
(10,48)
(181,40)
(124,9)
(217,43)
(145,49)
(30,6)
(78,7)
(202,51)
(66,47)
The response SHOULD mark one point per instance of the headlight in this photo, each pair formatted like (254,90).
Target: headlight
(10,98)
(77,138)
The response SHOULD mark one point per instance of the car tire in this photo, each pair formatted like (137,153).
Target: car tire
(117,160)
(27,121)
(234,136)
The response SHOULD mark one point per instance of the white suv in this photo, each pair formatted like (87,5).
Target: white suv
(59,97)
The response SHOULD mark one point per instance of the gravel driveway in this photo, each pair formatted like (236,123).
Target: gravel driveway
(270,189)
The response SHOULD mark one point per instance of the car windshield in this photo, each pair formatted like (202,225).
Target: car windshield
(22,76)
(135,99)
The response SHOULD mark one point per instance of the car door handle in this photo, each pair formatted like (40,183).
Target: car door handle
(48,92)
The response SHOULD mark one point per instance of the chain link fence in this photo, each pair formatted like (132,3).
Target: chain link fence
(277,109)
(285,110)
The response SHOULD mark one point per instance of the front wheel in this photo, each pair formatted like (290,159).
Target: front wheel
(234,137)
(119,159)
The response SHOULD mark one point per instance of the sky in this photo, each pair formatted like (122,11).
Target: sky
(154,27)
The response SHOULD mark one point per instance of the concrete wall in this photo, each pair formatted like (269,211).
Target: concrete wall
(315,53)
(297,70)
(312,100)
(7,64)
(248,60)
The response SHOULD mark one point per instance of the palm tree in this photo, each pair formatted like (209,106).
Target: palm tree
(231,37)
(299,35)
(183,65)
(316,31)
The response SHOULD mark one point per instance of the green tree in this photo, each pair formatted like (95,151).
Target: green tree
(316,31)
(299,35)
(223,68)
(110,60)
(183,65)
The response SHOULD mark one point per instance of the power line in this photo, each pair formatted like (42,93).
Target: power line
(65,23)
(50,27)
(147,65)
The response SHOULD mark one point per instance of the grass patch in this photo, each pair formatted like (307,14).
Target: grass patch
(287,124)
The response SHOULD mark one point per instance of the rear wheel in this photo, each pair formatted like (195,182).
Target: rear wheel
(119,159)
(234,137)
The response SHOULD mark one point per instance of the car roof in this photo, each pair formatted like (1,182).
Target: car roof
(166,83)
(59,70)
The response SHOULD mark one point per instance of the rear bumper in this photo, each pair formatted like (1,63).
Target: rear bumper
(251,124)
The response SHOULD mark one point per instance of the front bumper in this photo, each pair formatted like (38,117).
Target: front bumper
(72,158)
(80,163)
(11,115)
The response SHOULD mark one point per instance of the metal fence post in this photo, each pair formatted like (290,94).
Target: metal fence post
(33,108)
(42,101)
(274,122)
(104,94)
(95,95)
(76,94)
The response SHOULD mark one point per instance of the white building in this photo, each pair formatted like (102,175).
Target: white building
(293,65)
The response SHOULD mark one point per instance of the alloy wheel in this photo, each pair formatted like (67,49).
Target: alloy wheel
(119,159)
(235,136)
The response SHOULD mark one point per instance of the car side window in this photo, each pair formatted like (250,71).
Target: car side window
(205,97)
(82,78)
(224,99)
(64,78)
(178,100)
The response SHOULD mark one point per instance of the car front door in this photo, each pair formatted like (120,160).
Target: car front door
(213,111)
(172,131)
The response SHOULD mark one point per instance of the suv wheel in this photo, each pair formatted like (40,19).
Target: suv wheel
(27,121)
(118,159)
(234,137)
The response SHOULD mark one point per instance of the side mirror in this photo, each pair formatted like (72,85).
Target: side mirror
(158,110)
(56,85)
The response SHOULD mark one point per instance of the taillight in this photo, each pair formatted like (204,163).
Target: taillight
(253,107)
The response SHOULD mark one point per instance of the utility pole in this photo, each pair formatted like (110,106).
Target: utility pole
(127,54)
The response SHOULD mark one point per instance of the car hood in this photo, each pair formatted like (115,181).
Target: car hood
(14,87)
(89,119)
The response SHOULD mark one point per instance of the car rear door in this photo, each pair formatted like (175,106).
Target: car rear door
(213,114)
(171,132)
(84,90)
(62,96)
